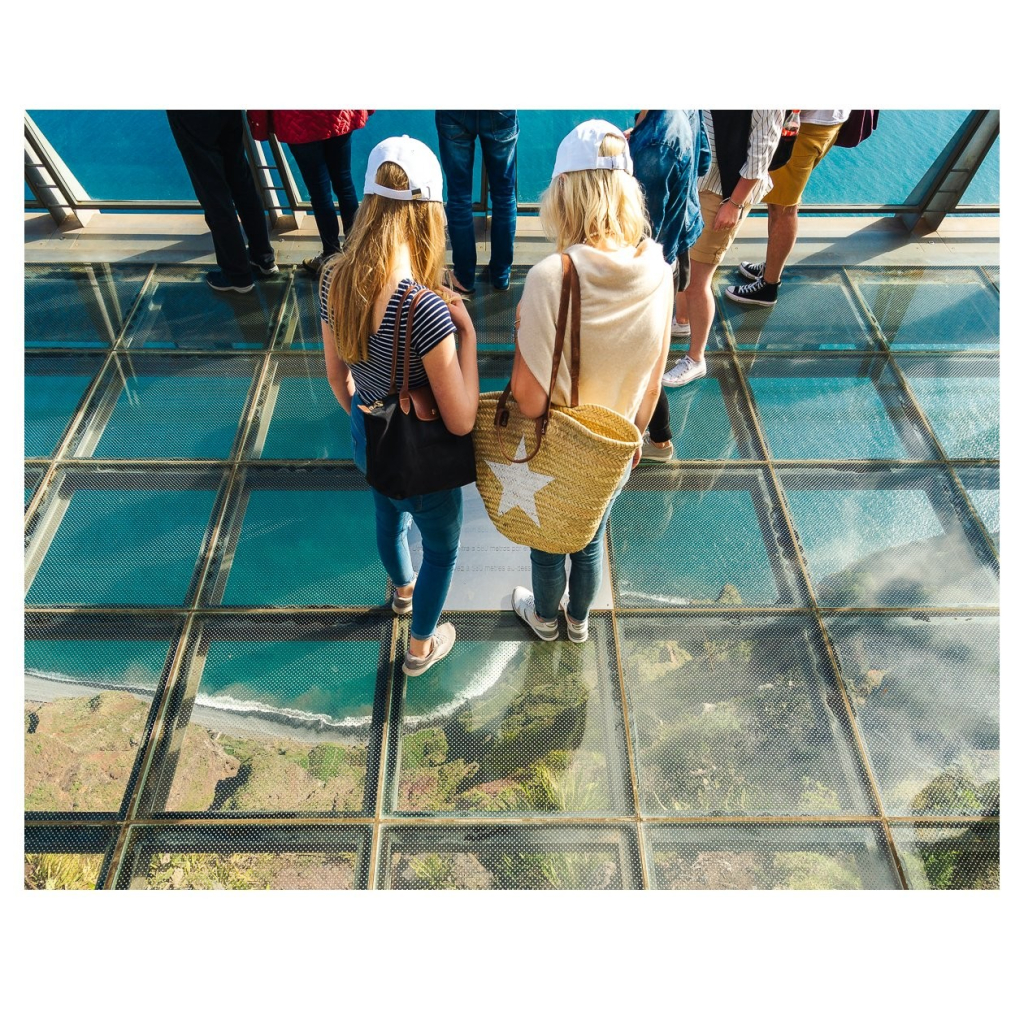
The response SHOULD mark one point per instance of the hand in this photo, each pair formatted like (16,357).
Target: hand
(727,217)
(636,458)
(459,313)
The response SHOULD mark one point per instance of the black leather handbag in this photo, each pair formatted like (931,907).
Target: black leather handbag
(409,450)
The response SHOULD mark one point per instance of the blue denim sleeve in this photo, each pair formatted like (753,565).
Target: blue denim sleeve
(652,167)
(703,148)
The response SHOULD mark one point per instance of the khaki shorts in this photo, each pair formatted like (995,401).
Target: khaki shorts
(712,245)
(813,141)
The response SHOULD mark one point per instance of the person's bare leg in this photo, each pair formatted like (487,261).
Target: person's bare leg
(682,310)
(701,306)
(782,229)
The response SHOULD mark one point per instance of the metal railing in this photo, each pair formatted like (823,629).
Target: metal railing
(938,193)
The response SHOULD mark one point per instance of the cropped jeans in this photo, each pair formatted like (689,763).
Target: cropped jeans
(327,164)
(439,519)
(549,577)
(457,132)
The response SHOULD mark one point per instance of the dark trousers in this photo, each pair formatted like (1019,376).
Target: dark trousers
(661,422)
(324,165)
(210,142)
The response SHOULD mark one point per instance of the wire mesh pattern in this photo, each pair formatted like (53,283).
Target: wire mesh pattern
(792,673)
(769,857)
(942,857)
(504,857)
(537,728)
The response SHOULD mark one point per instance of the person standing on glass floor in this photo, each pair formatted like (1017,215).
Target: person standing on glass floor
(743,143)
(457,134)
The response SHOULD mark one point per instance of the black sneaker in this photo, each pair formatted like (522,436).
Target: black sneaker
(751,271)
(757,293)
(219,283)
(266,265)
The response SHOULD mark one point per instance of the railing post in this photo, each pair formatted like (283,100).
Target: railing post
(940,190)
(51,182)
(261,172)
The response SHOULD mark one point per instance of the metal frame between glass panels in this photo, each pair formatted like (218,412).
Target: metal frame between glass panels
(138,824)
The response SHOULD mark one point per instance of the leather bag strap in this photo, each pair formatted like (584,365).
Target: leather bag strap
(570,296)
(395,336)
(403,400)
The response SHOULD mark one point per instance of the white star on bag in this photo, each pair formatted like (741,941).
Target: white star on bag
(519,484)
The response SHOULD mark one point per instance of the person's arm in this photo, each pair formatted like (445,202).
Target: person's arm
(339,376)
(453,373)
(536,315)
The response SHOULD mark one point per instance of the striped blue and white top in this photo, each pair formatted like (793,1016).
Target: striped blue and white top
(432,324)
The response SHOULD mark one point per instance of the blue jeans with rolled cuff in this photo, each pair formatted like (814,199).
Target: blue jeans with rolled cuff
(439,519)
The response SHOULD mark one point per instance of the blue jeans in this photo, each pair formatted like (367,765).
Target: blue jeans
(439,519)
(324,165)
(497,130)
(548,572)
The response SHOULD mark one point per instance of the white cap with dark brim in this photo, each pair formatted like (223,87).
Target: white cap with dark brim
(418,162)
(580,149)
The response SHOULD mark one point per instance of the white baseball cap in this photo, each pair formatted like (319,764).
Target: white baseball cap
(579,150)
(418,162)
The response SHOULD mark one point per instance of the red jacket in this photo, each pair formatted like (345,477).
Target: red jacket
(305,125)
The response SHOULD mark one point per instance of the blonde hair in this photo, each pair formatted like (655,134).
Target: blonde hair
(594,206)
(360,273)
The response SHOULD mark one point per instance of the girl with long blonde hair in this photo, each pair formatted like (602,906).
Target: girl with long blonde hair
(395,250)
(594,211)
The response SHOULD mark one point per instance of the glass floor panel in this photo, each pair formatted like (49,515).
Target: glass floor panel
(276,717)
(941,857)
(887,539)
(179,312)
(54,386)
(926,696)
(32,479)
(709,418)
(817,311)
(654,563)
(180,857)
(768,857)
(299,417)
(736,717)
(505,725)
(303,539)
(834,408)
(66,858)
(167,408)
(960,397)
(509,857)
(87,708)
(120,538)
(932,308)
(300,325)
(79,306)
(982,486)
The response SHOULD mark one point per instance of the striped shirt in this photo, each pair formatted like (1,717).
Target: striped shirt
(431,325)
(765,132)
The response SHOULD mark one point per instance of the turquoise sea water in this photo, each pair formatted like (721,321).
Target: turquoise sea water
(130,154)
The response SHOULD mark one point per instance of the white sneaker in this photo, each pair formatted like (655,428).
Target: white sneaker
(440,647)
(683,372)
(680,330)
(522,605)
(652,453)
(578,632)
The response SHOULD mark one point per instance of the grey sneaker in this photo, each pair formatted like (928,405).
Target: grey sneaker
(652,453)
(314,264)
(683,372)
(522,605)
(751,271)
(578,632)
(402,605)
(441,645)
(266,265)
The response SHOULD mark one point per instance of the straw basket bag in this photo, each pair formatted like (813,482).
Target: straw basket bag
(554,497)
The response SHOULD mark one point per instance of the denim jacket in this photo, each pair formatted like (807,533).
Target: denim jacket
(670,152)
